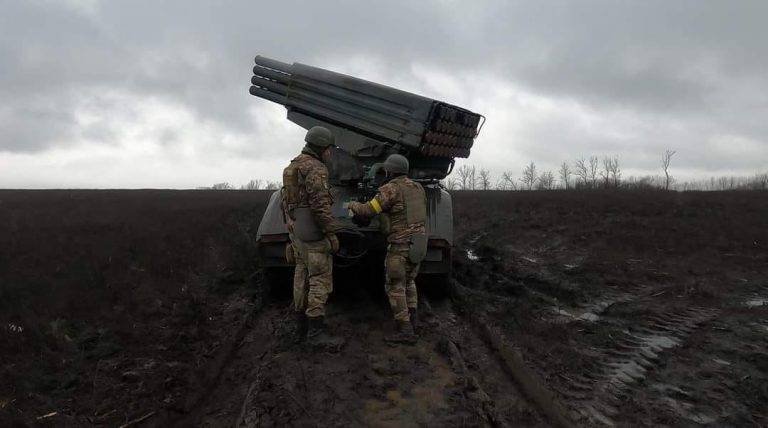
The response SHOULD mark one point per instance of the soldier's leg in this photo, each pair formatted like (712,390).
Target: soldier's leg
(397,276)
(411,294)
(320,271)
(395,284)
(300,286)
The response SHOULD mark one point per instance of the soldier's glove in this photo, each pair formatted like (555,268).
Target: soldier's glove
(334,242)
(356,210)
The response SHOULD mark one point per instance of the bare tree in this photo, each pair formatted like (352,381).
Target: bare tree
(451,184)
(272,185)
(611,173)
(546,181)
(221,186)
(615,172)
(761,181)
(582,171)
(594,166)
(529,175)
(605,173)
(473,178)
(722,183)
(565,175)
(666,157)
(465,176)
(508,181)
(252,185)
(485,179)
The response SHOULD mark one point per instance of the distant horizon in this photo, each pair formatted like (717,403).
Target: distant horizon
(496,185)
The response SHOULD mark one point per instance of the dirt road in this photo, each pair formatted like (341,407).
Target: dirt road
(448,379)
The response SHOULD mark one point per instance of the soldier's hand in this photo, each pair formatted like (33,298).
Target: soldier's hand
(358,217)
(334,242)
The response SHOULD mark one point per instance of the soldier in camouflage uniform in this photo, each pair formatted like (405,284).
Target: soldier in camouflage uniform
(402,203)
(306,202)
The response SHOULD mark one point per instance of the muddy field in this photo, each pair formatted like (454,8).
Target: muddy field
(148,308)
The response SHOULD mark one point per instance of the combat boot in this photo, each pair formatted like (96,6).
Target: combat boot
(301,326)
(319,337)
(403,334)
(414,315)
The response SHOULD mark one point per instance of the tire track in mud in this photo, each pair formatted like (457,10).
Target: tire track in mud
(591,311)
(717,377)
(535,389)
(650,364)
(754,299)
(594,396)
(456,383)
(207,379)
(449,378)
(488,370)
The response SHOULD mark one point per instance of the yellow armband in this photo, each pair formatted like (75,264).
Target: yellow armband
(375,205)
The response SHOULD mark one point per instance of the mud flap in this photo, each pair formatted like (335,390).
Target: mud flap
(304,226)
(418,249)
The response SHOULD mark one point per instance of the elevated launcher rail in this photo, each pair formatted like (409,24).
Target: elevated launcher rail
(369,119)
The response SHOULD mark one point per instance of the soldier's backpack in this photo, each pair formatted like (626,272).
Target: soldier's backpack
(415,202)
(304,226)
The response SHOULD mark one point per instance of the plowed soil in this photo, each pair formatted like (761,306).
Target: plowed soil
(149,308)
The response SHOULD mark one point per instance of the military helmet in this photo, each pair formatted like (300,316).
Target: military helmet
(320,136)
(396,164)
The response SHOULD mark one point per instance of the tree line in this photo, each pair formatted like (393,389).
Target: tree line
(587,173)
(584,173)
(254,184)
(594,173)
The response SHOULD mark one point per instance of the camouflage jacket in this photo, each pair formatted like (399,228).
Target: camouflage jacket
(389,200)
(312,191)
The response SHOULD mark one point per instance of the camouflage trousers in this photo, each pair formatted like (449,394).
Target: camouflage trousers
(312,277)
(400,282)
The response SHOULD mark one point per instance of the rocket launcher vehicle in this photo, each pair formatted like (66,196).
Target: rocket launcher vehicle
(370,120)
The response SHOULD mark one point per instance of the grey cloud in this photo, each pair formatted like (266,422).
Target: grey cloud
(30,126)
(197,54)
(700,62)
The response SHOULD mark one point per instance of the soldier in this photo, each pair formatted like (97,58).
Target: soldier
(402,204)
(306,202)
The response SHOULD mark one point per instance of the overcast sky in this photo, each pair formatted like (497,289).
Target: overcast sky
(134,94)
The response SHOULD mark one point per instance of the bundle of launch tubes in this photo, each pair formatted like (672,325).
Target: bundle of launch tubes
(430,127)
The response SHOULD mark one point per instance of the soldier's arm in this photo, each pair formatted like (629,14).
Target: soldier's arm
(320,200)
(382,202)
